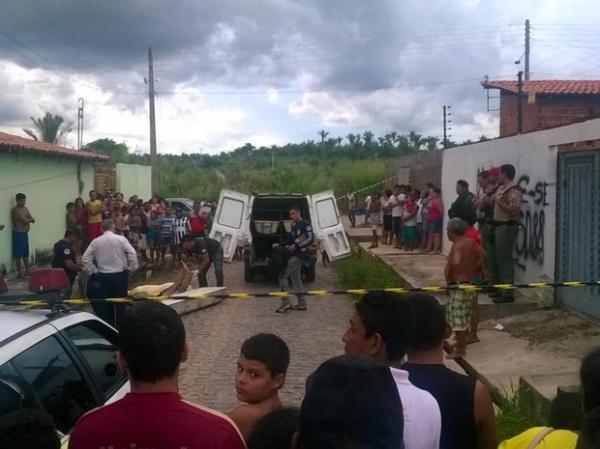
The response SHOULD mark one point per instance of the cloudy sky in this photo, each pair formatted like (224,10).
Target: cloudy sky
(274,71)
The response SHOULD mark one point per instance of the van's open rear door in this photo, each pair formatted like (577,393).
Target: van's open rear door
(230,225)
(326,222)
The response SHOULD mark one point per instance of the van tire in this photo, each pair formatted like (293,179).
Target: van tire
(248,271)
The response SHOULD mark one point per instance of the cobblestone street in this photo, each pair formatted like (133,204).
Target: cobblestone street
(216,334)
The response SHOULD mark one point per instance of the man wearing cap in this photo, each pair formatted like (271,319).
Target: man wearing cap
(507,210)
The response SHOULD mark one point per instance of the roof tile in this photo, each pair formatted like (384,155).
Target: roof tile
(11,142)
(549,87)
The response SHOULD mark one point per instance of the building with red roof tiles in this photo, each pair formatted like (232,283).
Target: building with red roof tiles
(545,103)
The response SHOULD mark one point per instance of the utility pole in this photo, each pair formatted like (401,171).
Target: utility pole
(527,48)
(520,101)
(80,123)
(153,156)
(447,121)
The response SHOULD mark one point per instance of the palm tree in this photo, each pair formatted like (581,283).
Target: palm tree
(431,143)
(416,140)
(323,135)
(50,128)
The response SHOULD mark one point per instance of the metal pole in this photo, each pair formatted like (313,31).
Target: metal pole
(80,123)
(520,102)
(527,48)
(153,154)
(445,135)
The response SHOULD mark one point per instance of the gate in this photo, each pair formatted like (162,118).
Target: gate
(578,231)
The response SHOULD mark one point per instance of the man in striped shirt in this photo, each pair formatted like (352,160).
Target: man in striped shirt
(181,228)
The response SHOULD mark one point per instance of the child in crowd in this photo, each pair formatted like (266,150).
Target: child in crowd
(167,222)
(409,222)
(376,215)
(71,219)
(154,236)
(261,372)
(181,228)
(125,221)
(117,216)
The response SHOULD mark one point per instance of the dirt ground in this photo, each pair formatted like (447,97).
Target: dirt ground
(555,330)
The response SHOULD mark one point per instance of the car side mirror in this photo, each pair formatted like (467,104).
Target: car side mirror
(11,396)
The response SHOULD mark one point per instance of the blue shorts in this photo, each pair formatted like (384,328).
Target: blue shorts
(409,234)
(20,244)
(435,227)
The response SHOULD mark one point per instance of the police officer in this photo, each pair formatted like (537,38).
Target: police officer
(209,252)
(299,241)
(64,256)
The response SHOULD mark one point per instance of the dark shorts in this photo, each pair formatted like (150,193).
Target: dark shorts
(153,238)
(397,225)
(20,244)
(387,223)
(435,227)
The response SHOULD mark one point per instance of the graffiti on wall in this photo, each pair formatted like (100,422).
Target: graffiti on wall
(530,242)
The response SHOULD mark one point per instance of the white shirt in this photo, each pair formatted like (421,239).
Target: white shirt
(419,217)
(368,202)
(395,200)
(109,253)
(422,417)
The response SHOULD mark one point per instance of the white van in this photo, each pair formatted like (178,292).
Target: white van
(260,221)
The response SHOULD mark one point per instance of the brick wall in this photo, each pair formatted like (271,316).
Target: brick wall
(548,111)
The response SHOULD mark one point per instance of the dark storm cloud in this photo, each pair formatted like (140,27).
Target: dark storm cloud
(347,48)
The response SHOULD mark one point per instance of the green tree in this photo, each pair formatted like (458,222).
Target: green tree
(416,140)
(50,128)
(431,142)
(117,152)
(323,134)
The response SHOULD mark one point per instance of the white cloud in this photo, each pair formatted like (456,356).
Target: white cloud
(272,96)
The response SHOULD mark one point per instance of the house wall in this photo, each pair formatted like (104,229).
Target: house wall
(49,183)
(546,112)
(536,164)
(422,167)
(134,180)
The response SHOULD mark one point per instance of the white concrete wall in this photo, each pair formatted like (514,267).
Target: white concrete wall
(536,164)
(134,179)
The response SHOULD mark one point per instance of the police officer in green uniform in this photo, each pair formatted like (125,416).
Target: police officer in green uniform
(507,210)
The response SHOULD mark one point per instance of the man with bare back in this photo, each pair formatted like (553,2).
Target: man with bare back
(463,262)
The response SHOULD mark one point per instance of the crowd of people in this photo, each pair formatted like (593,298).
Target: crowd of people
(390,390)
(410,219)
(482,227)
(152,227)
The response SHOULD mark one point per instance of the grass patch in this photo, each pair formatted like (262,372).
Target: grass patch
(362,270)
(513,418)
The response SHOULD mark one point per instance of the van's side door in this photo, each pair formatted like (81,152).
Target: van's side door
(231,223)
(326,222)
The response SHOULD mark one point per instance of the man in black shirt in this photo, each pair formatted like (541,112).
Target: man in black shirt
(63,254)
(464,205)
(466,406)
(209,252)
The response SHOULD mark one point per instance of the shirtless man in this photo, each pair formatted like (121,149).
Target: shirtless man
(463,262)
(261,371)
(22,220)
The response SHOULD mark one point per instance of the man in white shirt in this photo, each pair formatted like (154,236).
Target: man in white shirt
(382,329)
(108,260)
(396,204)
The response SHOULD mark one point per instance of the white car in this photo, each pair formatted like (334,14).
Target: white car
(62,361)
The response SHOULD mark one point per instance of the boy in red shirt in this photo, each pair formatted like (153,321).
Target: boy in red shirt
(261,371)
(472,337)
(151,348)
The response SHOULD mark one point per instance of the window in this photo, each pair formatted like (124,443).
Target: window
(56,382)
(231,214)
(327,213)
(97,345)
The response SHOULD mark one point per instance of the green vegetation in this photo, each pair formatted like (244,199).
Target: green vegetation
(306,167)
(513,417)
(49,129)
(362,270)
